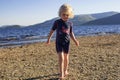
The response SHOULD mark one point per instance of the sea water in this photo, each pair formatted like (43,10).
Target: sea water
(20,36)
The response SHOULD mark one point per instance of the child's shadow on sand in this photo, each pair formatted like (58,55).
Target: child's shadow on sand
(42,77)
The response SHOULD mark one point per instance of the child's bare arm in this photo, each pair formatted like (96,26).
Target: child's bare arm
(74,39)
(49,36)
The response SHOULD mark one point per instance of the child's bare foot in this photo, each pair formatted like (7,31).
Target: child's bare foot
(66,73)
(61,77)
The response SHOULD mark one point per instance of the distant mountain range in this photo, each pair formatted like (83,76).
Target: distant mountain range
(79,19)
(111,20)
(83,19)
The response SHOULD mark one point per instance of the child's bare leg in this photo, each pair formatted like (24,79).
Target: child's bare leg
(61,64)
(66,62)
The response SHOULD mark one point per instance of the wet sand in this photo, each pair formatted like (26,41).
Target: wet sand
(97,58)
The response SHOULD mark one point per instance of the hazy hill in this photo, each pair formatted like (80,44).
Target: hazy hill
(111,20)
(104,14)
(80,19)
(77,20)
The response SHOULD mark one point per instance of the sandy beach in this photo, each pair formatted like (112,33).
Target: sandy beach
(97,58)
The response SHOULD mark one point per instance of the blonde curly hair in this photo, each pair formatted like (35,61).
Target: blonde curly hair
(66,9)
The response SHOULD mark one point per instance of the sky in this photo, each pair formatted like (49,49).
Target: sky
(30,12)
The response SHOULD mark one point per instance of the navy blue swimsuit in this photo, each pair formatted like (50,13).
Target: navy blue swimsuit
(63,30)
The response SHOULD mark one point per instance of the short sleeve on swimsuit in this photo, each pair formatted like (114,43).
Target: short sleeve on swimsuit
(54,25)
(71,25)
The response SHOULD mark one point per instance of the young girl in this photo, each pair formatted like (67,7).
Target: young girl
(63,33)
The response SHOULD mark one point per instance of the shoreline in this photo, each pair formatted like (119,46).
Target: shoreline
(16,43)
(97,58)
